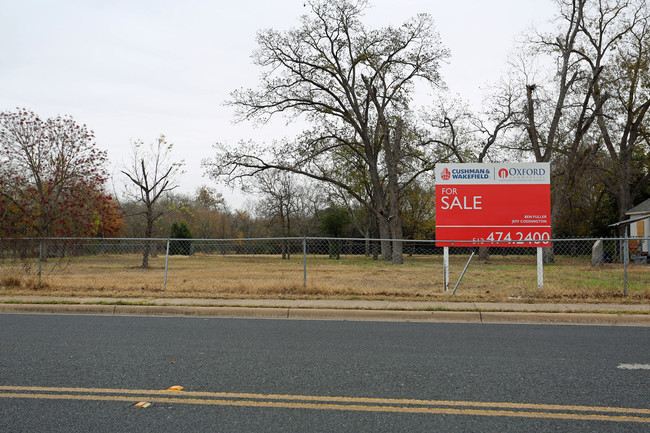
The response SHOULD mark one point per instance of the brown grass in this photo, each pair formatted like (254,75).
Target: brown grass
(214,276)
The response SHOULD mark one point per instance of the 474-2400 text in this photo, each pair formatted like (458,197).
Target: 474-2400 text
(509,238)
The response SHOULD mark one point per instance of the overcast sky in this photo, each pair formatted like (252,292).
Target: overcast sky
(133,69)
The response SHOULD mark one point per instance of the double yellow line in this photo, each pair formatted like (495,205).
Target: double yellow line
(387,405)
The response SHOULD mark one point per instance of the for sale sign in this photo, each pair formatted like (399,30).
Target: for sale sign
(503,205)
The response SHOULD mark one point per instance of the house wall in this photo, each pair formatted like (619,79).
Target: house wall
(641,229)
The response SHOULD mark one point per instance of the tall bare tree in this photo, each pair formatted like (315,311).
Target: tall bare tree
(622,28)
(559,114)
(595,98)
(352,84)
(151,173)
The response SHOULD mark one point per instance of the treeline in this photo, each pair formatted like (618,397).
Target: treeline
(208,216)
(303,211)
(67,196)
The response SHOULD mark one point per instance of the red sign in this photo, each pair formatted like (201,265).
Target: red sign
(500,205)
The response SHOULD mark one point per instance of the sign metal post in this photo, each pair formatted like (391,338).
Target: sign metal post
(540,268)
(445,268)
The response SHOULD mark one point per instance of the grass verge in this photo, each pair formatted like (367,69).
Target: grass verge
(502,278)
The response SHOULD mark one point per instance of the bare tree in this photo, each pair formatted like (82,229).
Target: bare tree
(210,212)
(623,93)
(353,85)
(152,172)
(280,201)
(362,219)
(559,111)
(467,137)
(595,97)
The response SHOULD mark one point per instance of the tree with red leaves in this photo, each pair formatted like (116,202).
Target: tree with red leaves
(52,179)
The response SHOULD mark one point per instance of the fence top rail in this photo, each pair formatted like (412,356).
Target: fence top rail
(316,238)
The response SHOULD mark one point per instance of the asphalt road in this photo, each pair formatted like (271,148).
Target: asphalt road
(84,373)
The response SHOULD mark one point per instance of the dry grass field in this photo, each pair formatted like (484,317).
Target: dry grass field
(352,277)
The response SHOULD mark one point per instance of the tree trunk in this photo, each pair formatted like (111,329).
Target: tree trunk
(385,236)
(392,150)
(147,243)
(395,219)
(375,245)
(43,234)
(398,244)
(623,195)
(145,254)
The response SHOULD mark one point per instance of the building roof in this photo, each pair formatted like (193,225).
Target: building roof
(629,221)
(642,208)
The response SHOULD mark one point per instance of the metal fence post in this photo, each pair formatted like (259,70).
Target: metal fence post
(304,262)
(40,261)
(166,265)
(626,259)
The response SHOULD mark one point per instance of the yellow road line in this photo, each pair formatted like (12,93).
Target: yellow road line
(289,397)
(362,404)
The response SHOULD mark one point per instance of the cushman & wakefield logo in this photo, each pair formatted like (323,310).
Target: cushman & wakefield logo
(465,174)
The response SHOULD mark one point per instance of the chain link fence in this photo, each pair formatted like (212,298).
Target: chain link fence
(576,268)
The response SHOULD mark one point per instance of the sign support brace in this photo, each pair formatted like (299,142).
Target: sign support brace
(464,270)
